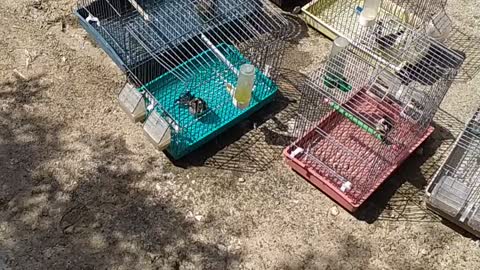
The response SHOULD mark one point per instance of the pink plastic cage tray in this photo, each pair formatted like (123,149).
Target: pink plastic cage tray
(339,149)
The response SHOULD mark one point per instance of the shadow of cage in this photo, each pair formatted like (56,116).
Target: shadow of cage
(468,46)
(255,143)
(401,198)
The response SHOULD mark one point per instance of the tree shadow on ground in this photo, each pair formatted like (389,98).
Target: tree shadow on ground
(467,46)
(352,251)
(63,210)
(348,252)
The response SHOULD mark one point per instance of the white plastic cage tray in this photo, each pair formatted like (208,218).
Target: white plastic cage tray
(449,195)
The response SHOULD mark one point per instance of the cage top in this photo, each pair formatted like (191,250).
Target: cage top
(470,139)
(424,9)
(181,23)
(411,54)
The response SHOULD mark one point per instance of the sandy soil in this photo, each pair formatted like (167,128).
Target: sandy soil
(82,189)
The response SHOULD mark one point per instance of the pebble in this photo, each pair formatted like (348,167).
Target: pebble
(69,230)
(334,211)
(241,180)
(222,247)
(3,261)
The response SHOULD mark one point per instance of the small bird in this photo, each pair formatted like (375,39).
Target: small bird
(197,107)
(413,110)
(388,41)
(432,66)
(383,126)
(184,100)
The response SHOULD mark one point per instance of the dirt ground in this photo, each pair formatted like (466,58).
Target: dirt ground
(82,189)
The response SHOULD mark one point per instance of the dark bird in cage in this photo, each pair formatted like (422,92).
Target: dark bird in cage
(184,100)
(197,107)
(386,41)
(383,126)
(206,9)
(413,110)
(432,66)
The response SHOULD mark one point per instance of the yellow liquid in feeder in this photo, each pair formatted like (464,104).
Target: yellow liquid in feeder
(245,83)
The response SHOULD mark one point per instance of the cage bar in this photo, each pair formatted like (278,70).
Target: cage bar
(454,192)
(339,17)
(427,17)
(184,57)
(367,108)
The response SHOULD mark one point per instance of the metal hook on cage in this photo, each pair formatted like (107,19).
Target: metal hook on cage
(92,19)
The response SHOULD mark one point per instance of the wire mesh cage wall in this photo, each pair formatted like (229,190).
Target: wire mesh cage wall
(341,18)
(409,54)
(185,58)
(337,17)
(455,190)
(365,110)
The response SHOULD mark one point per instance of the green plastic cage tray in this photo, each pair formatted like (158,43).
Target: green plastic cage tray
(188,132)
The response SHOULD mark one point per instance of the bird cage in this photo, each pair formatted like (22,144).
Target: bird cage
(428,17)
(366,109)
(200,66)
(454,192)
(338,17)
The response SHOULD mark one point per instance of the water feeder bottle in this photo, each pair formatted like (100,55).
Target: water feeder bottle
(369,13)
(243,91)
(336,66)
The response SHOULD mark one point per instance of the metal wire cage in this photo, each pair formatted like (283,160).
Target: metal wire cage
(337,17)
(365,110)
(427,17)
(454,192)
(185,58)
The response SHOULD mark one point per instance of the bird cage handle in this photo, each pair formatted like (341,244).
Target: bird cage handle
(220,55)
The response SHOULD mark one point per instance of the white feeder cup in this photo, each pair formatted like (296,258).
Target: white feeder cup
(157,130)
(132,102)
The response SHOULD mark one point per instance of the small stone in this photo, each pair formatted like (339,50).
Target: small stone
(153,257)
(189,215)
(64,59)
(199,217)
(334,211)
(297,10)
(68,230)
(222,247)
(28,108)
(241,180)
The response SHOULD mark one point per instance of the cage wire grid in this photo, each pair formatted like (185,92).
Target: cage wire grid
(339,16)
(168,23)
(424,16)
(361,116)
(455,190)
(171,48)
